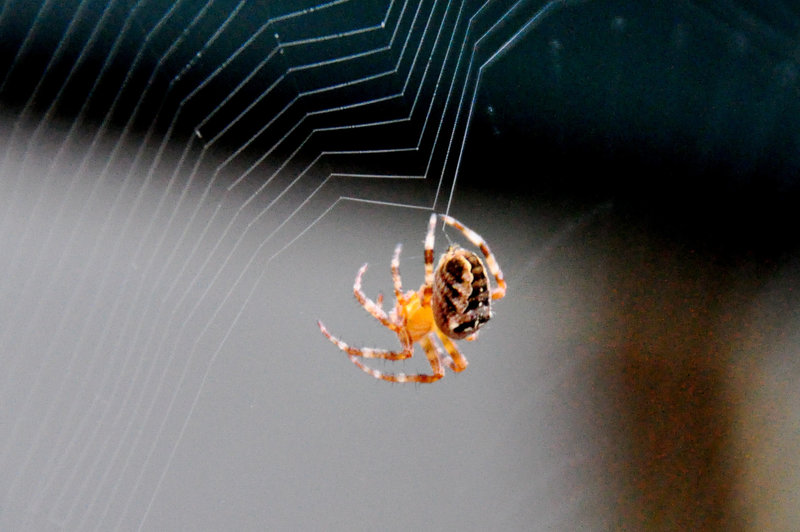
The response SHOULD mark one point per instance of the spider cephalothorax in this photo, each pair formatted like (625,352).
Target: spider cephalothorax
(453,302)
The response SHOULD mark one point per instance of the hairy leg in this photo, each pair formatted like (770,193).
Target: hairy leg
(367,352)
(434,357)
(454,359)
(370,306)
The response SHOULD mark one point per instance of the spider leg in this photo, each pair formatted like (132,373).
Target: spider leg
(370,306)
(434,355)
(398,282)
(368,352)
(427,287)
(478,241)
(454,359)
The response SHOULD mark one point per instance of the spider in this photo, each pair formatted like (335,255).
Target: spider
(452,304)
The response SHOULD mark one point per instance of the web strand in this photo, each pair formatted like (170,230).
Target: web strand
(217,141)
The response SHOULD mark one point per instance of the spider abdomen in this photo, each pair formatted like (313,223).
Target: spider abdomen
(461,299)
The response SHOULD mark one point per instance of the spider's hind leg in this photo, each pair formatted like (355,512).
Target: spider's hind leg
(367,352)
(454,359)
(434,355)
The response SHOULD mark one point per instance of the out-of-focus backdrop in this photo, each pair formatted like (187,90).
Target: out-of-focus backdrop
(187,186)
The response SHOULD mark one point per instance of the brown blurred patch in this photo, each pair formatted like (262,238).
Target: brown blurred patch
(658,389)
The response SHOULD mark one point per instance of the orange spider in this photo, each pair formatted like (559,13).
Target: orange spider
(452,304)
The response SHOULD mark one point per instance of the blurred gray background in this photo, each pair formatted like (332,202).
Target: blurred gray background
(186,187)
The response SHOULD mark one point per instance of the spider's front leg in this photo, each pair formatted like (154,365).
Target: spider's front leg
(426,290)
(397,280)
(375,309)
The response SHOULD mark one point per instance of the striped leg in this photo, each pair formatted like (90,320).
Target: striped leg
(434,355)
(478,241)
(427,287)
(398,282)
(368,352)
(370,306)
(454,359)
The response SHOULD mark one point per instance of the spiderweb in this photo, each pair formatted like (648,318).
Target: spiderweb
(178,147)
(157,157)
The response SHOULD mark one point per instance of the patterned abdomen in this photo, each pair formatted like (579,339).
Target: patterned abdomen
(461,294)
